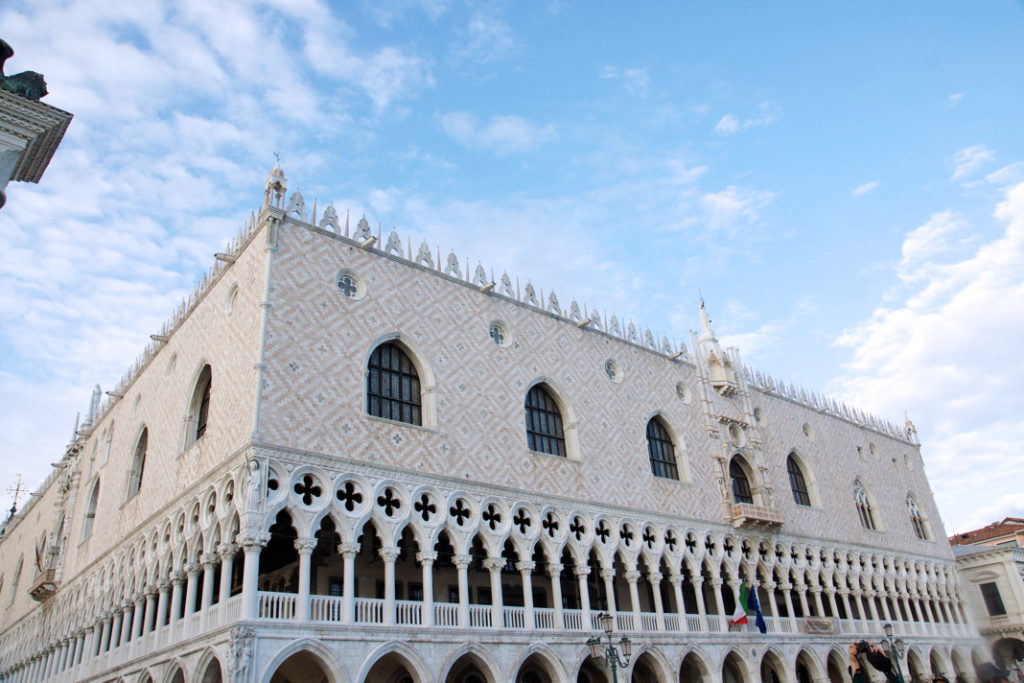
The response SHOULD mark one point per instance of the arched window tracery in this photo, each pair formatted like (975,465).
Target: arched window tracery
(393,385)
(661,450)
(544,432)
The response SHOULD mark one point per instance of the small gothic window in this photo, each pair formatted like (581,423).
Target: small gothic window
(860,496)
(740,483)
(797,482)
(661,450)
(544,423)
(393,386)
(348,285)
(138,463)
(917,519)
(496,331)
(199,409)
(90,511)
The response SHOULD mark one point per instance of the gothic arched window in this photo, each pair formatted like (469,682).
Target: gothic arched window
(797,482)
(138,463)
(740,482)
(860,497)
(917,519)
(393,386)
(661,450)
(90,510)
(199,406)
(544,423)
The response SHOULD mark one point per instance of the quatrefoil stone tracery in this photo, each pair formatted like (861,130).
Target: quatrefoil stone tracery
(307,489)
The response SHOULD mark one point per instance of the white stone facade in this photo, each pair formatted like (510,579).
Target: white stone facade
(450,551)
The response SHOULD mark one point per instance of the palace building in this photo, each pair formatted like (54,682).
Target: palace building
(350,458)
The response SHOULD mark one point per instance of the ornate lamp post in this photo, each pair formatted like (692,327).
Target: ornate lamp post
(894,649)
(606,654)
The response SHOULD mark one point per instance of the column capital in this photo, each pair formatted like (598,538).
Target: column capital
(253,542)
(607,573)
(426,557)
(770,585)
(581,571)
(389,554)
(152,589)
(227,549)
(632,575)
(786,586)
(493,564)
(207,560)
(526,567)
(716,582)
(350,548)
(461,561)
(191,568)
(555,569)
(675,577)
(655,578)
(177,578)
(305,546)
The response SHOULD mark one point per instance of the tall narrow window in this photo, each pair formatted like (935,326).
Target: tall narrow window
(740,483)
(993,600)
(14,582)
(661,450)
(138,463)
(90,511)
(393,386)
(199,407)
(544,423)
(917,519)
(860,497)
(797,482)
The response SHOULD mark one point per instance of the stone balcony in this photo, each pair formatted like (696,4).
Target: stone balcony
(44,586)
(756,516)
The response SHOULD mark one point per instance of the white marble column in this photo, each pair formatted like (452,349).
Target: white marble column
(348,589)
(177,581)
(581,579)
(389,555)
(525,570)
(608,576)
(304,547)
(191,586)
(252,545)
(226,552)
(676,579)
(698,594)
(494,566)
(427,560)
(787,593)
(659,608)
(208,561)
(555,572)
(461,563)
(632,577)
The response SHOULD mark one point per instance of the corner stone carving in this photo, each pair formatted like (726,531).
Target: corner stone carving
(240,653)
(28,84)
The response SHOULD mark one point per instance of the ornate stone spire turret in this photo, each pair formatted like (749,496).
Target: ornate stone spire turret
(723,375)
(910,430)
(275,188)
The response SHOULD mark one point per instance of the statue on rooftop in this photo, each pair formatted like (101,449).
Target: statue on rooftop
(27,84)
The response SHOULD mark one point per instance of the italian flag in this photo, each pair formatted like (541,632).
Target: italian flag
(742,606)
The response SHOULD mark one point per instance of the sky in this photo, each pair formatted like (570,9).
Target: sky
(843,183)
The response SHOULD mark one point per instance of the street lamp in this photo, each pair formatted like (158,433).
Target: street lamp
(894,650)
(607,655)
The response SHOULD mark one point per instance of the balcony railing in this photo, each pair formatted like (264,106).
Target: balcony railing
(758,516)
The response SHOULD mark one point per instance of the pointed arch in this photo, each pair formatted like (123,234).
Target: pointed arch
(917,519)
(92,502)
(865,509)
(138,464)
(403,654)
(393,387)
(798,483)
(199,406)
(545,432)
(332,668)
(661,449)
(740,476)
(470,656)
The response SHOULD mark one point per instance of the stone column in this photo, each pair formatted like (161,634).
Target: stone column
(104,643)
(816,592)
(716,589)
(128,608)
(833,607)
(801,594)
(252,545)
(426,560)
(698,594)
(493,566)
(581,579)
(149,617)
(676,579)
(208,561)
(769,588)
(348,589)
(461,563)
(870,595)
(226,552)
(885,607)
(191,586)
(115,628)
(608,575)
(659,608)
(632,577)
(525,570)
(76,655)
(928,611)
(177,581)
(555,572)
(389,555)
(161,605)
(787,593)
(305,547)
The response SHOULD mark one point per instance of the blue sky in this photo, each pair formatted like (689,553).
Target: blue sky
(844,183)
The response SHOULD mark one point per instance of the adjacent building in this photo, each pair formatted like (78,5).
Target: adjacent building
(349,457)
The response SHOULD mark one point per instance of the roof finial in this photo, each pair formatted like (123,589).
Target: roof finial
(276,185)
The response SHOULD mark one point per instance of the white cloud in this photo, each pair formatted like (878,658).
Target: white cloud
(863,189)
(635,79)
(1011,174)
(948,354)
(954,99)
(970,159)
(487,38)
(502,134)
(730,124)
(733,205)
